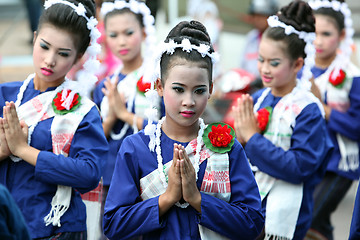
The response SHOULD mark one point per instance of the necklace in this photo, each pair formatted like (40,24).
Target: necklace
(161,167)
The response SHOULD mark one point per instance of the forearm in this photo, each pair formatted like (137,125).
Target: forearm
(28,154)
(165,203)
(108,124)
(131,119)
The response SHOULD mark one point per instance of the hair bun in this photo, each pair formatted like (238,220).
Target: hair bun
(299,15)
(193,30)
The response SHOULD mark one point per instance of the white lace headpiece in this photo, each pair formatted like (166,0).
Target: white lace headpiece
(309,38)
(153,73)
(345,47)
(88,79)
(137,8)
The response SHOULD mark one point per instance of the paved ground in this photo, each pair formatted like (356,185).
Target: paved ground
(16,64)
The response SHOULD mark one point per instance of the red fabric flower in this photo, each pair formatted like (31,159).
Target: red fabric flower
(141,86)
(337,81)
(220,136)
(263,117)
(58,101)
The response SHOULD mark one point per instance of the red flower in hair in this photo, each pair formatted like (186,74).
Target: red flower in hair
(337,81)
(143,87)
(57,103)
(263,118)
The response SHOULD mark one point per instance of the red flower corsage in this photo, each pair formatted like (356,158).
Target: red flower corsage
(57,103)
(263,118)
(219,137)
(143,86)
(339,80)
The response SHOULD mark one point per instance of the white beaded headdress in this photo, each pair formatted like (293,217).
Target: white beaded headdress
(309,38)
(88,79)
(345,47)
(153,72)
(137,8)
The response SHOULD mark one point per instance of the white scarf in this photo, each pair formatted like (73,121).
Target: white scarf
(283,199)
(63,128)
(338,98)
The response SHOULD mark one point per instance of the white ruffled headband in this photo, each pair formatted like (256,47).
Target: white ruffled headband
(345,47)
(153,73)
(309,38)
(88,79)
(137,8)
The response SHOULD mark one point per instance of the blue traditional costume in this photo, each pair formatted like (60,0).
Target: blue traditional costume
(68,160)
(128,214)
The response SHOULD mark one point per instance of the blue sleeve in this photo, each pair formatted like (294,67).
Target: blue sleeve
(355,222)
(82,168)
(123,218)
(98,94)
(242,214)
(309,146)
(12,223)
(348,123)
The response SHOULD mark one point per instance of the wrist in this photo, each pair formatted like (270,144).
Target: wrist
(195,201)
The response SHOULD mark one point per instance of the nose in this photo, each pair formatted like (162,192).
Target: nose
(121,40)
(188,99)
(50,60)
(317,41)
(263,67)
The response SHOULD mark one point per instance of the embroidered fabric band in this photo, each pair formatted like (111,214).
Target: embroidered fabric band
(137,8)
(153,73)
(88,78)
(309,38)
(345,47)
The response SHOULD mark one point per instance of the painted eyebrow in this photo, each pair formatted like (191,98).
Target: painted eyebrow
(62,49)
(183,85)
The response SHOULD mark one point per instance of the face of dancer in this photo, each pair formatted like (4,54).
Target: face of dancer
(328,38)
(54,54)
(186,91)
(124,36)
(276,69)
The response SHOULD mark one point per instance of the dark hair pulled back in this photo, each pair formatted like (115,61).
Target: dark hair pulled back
(197,34)
(299,15)
(65,18)
(336,15)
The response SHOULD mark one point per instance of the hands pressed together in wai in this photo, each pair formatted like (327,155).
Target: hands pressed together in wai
(13,133)
(181,182)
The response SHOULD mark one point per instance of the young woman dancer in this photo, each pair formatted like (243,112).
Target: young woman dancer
(337,85)
(284,133)
(51,137)
(181,179)
(121,97)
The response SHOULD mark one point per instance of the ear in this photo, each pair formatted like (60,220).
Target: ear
(342,35)
(298,64)
(211,89)
(34,38)
(159,87)
(78,58)
(143,34)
